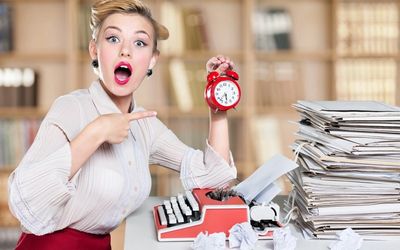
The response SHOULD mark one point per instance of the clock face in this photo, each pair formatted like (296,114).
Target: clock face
(226,93)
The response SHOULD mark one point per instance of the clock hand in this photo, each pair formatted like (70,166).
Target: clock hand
(226,96)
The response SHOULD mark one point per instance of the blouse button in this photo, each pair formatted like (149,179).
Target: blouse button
(135,189)
(130,163)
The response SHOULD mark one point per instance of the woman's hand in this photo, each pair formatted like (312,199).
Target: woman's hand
(111,128)
(219,63)
(114,128)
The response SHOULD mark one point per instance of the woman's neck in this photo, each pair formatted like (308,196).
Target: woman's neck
(123,103)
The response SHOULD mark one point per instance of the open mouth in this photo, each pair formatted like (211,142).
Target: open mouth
(122,73)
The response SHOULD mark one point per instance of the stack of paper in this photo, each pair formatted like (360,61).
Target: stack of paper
(349,173)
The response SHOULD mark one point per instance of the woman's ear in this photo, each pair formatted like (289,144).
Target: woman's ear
(93,49)
(154,59)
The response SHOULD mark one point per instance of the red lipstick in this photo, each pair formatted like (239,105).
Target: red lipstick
(122,73)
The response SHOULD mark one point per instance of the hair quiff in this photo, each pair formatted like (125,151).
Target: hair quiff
(103,8)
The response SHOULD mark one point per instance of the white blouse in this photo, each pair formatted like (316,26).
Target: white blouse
(113,182)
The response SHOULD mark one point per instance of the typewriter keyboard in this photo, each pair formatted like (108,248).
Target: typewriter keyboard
(178,210)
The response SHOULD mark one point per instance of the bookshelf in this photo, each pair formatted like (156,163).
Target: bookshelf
(326,55)
(367,50)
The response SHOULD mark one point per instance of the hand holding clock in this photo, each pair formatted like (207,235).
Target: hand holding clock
(222,91)
(219,63)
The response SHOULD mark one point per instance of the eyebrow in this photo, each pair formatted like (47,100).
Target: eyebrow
(137,32)
(142,32)
(112,27)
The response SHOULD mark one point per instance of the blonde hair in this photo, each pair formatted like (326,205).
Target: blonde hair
(103,8)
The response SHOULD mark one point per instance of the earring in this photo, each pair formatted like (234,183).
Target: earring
(95,63)
(149,72)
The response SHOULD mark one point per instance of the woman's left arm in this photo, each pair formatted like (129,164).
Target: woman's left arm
(209,169)
(218,136)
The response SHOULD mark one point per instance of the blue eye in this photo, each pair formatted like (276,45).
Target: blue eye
(112,39)
(140,43)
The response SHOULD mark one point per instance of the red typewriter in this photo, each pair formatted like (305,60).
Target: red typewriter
(183,217)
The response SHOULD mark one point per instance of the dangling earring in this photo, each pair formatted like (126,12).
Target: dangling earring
(95,63)
(149,72)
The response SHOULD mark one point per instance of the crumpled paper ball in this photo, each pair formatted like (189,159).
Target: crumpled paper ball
(242,236)
(215,241)
(283,239)
(348,240)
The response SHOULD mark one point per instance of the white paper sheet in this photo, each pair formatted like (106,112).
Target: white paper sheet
(264,176)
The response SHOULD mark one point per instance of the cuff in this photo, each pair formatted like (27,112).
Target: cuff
(212,155)
(38,190)
(208,170)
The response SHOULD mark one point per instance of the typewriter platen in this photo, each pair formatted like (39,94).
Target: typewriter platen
(183,217)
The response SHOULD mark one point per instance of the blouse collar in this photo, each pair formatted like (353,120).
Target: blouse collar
(102,100)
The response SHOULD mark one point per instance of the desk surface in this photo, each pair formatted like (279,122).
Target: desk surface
(140,232)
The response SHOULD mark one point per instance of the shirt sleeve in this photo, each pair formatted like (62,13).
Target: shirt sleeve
(198,169)
(39,187)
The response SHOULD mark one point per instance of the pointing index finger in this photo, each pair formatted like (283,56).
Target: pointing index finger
(140,115)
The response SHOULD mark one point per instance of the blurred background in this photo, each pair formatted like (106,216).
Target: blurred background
(285,50)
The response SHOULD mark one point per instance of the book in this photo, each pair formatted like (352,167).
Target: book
(196,75)
(85,34)
(188,31)
(272,29)
(171,17)
(366,79)
(194,29)
(181,93)
(16,136)
(188,82)
(5,28)
(278,83)
(18,87)
(28,90)
(367,27)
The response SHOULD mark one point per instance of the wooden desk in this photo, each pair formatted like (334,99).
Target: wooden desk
(140,234)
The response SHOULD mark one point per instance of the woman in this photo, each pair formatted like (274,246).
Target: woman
(88,166)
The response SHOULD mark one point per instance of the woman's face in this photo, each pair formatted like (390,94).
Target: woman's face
(124,49)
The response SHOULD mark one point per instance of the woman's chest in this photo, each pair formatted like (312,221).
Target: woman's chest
(116,174)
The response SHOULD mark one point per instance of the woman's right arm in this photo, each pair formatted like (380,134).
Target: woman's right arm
(40,186)
(42,183)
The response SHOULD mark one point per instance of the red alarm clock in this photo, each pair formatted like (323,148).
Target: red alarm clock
(222,91)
